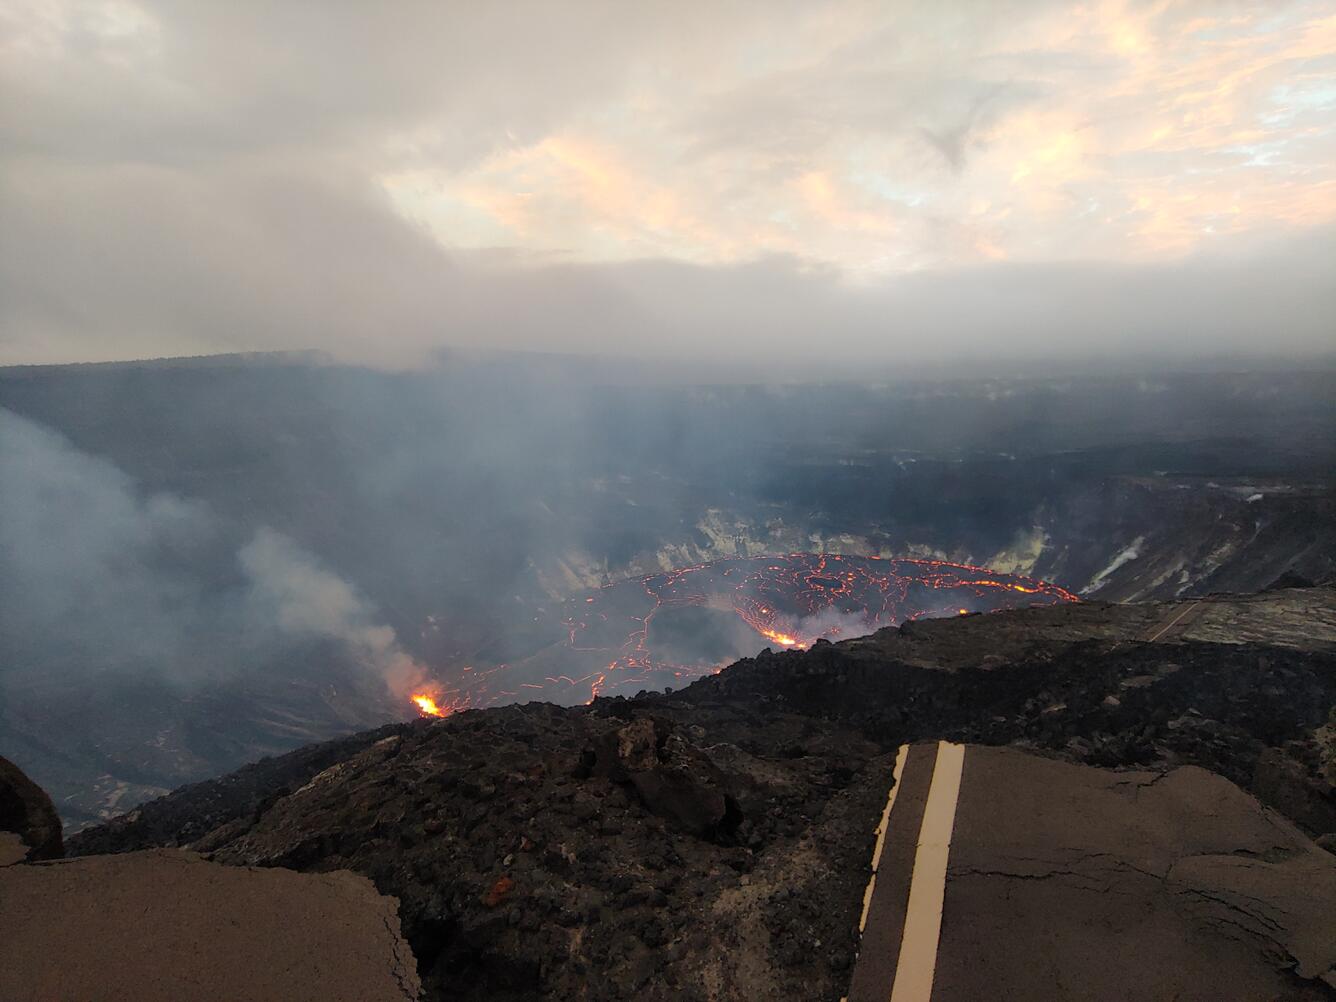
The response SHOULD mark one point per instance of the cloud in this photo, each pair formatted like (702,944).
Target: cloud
(296,264)
(192,177)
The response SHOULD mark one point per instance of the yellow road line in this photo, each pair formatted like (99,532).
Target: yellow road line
(882,825)
(917,963)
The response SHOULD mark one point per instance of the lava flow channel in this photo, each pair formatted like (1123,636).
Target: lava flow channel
(667,629)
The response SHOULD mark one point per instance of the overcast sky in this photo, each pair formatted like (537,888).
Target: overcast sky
(762,181)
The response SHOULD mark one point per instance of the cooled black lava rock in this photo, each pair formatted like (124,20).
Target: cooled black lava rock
(672,778)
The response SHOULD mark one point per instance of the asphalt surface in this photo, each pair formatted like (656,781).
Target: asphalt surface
(165,926)
(1064,881)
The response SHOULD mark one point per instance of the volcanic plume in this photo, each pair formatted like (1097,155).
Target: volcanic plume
(667,629)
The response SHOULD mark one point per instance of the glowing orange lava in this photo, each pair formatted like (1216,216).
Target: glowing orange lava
(427,706)
(783,639)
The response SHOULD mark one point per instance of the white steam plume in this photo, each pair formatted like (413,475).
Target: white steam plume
(306,599)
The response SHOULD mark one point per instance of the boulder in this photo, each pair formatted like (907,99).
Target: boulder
(672,777)
(26,811)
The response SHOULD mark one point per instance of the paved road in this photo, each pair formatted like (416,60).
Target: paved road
(164,926)
(1002,875)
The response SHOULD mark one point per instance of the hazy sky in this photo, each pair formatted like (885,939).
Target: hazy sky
(886,180)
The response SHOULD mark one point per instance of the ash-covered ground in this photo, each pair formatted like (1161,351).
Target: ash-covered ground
(713,843)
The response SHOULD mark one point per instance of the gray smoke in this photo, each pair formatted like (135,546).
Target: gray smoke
(832,623)
(98,578)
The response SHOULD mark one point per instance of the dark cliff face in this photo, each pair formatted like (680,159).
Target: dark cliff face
(713,842)
(1138,538)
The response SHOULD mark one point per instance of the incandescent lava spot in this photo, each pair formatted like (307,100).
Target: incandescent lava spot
(427,705)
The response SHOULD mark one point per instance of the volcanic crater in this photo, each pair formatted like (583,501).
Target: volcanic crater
(665,630)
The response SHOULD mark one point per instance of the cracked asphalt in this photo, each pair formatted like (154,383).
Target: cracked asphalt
(1067,881)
